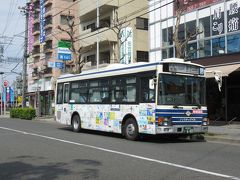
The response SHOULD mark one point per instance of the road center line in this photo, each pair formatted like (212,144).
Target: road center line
(126,154)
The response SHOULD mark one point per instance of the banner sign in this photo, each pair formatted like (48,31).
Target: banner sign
(42,21)
(126,49)
(192,5)
(30,28)
(233,16)
(58,65)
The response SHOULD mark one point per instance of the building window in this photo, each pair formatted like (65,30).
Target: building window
(64,19)
(142,23)
(181,32)
(142,56)
(104,57)
(191,51)
(204,48)
(191,29)
(167,53)
(204,27)
(218,46)
(233,43)
(167,36)
(92,60)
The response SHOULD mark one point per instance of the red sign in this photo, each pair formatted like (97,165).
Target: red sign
(190,5)
(5,83)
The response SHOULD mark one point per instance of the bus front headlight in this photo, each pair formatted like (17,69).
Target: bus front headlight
(164,121)
(205,122)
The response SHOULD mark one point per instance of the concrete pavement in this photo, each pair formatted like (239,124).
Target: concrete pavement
(219,131)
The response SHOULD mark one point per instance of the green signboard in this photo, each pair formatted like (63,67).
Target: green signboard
(64,44)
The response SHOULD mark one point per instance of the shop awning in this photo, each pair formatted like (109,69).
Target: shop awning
(225,70)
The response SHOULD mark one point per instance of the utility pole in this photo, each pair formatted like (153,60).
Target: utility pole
(97,34)
(1,73)
(25,11)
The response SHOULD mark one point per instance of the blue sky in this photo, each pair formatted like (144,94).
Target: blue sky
(12,24)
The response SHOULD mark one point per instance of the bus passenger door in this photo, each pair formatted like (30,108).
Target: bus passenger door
(66,107)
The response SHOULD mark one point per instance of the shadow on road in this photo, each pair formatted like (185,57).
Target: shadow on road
(143,138)
(27,167)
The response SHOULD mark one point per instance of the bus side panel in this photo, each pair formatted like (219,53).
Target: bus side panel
(146,118)
(109,117)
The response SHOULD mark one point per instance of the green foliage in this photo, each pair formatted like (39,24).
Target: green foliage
(23,113)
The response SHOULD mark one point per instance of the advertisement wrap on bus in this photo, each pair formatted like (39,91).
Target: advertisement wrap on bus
(166,97)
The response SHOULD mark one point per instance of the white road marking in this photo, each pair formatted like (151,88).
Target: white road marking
(126,154)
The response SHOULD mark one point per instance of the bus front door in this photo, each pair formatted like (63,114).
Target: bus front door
(66,107)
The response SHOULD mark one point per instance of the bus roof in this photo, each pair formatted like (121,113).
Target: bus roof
(119,69)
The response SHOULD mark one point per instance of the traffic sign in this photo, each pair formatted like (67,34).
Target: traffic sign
(5,83)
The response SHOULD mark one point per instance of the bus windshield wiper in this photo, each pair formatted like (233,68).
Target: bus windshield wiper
(176,106)
(198,106)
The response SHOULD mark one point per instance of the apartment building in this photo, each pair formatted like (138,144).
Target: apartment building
(128,18)
(44,65)
(217,47)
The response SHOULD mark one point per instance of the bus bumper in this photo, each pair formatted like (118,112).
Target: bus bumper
(181,129)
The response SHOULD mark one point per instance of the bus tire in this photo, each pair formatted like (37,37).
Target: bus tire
(131,129)
(76,123)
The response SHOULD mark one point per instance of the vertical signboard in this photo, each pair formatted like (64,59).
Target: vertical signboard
(63,51)
(30,28)
(233,16)
(126,49)
(217,16)
(42,21)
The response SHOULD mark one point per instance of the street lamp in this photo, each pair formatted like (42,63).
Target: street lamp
(1,73)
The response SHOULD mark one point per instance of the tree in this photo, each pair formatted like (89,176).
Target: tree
(181,44)
(77,63)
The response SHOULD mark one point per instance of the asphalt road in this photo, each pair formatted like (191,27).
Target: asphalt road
(42,150)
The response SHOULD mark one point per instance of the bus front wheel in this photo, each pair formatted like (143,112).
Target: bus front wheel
(76,123)
(131,129)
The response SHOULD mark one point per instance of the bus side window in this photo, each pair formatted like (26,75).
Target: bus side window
(147,95)
(59,93)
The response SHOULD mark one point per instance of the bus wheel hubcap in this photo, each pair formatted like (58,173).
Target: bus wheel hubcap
(75,124)
(130,129)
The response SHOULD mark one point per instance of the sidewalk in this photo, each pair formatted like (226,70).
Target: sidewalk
(224,132)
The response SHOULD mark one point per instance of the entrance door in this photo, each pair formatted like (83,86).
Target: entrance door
(66,107)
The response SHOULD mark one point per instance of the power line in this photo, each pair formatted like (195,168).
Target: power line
(110,28)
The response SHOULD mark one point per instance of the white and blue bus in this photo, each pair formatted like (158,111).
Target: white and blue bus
(166,97)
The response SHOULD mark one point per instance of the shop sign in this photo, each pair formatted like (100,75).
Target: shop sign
(233,16)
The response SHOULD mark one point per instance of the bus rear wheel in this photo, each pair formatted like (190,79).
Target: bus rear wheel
(76,123)
(131,130)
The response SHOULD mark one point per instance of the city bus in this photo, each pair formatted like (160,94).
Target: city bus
(165,97)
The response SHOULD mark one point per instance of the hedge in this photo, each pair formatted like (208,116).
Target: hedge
(23,113)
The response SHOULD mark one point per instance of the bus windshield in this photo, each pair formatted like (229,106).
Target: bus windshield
(181,90)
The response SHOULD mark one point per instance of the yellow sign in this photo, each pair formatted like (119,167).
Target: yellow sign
(19,99)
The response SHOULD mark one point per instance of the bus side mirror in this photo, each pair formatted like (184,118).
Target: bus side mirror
(152,83)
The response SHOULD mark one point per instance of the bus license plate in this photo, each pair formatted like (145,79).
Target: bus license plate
(188,129)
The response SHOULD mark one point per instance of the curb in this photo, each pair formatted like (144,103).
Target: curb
(222,139)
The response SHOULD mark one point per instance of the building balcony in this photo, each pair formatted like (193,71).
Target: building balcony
(48,2)
(48,26)
(37,32)
(90,11)
(48,12)
(90,38)
(36,21)
(36,54)
(36,43)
